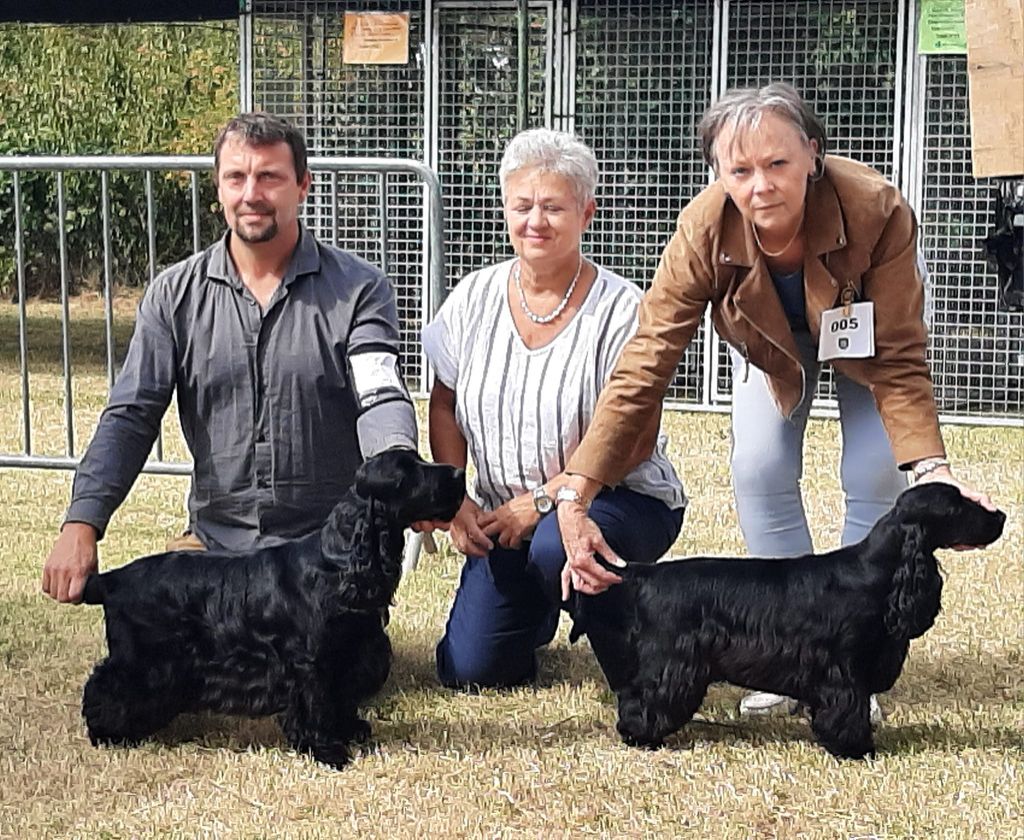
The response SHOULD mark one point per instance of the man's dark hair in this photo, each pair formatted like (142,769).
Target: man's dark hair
(258,128)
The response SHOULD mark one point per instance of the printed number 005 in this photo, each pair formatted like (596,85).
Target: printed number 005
(844,324)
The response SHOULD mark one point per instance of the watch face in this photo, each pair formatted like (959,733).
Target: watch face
(542,501)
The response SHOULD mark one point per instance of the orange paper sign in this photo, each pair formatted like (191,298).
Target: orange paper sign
(376,38)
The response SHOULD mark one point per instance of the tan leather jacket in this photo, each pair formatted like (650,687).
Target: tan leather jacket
(860,232)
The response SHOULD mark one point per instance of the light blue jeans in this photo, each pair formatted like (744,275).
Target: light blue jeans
(767,459)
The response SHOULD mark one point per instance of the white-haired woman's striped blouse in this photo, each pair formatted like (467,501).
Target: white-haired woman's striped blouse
(524,411)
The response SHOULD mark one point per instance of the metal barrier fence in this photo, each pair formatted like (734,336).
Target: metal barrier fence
(338,206)
(632,77)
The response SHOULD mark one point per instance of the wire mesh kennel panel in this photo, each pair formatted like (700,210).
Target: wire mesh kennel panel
(977,350)
(643,78)
(632,77)
(476,114)
(353,110)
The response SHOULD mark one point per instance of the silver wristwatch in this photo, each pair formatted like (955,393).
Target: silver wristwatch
(927,465)
(542,501)
(570,494)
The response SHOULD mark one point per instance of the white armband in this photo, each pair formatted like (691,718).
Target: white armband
(376,379)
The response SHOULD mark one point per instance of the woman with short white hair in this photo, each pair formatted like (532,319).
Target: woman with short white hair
(521,351)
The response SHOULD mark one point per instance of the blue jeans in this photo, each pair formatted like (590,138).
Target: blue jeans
(507,604)
(767,459)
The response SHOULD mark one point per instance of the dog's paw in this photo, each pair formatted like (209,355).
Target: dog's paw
(851,752)
(641,740)
(334,755)
(98,739)
(359,731)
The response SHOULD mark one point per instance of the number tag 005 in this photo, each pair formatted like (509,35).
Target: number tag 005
(847,332)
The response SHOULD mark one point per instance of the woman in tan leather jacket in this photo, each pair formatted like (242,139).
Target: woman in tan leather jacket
(801,256)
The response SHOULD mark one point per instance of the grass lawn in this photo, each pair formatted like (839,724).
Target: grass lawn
(538,762)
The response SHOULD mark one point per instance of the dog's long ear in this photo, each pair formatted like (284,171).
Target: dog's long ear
(915,597)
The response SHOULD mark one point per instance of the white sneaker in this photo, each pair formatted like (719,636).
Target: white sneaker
(766,703)
(875,714)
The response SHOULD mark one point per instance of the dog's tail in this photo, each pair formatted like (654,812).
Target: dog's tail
(95,590)
(581,607)
(576,608)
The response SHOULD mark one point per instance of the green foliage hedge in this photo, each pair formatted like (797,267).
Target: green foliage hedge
(124,89)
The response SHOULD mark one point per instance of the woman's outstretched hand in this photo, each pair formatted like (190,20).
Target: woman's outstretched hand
(465,532)
(582,539)
(945,474)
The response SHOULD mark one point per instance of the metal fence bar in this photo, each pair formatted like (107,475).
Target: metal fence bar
(434,223)
(334,209)
(65,316)
(57,462)
(151,248)
(151,163)
(92,163)
(197,244)
(108,283)
(431,283)
(19,258)
(382,211)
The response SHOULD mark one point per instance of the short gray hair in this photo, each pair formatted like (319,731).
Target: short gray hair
(743,108)
(552,151)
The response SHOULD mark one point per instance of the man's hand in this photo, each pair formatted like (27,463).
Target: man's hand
(426,527)
(72,559)
(582,539)
(513,522)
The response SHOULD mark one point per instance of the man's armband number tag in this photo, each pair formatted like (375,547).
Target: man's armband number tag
(376,378)
(847,332)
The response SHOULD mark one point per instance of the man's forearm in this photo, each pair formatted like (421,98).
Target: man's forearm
(387,425)
(112,462)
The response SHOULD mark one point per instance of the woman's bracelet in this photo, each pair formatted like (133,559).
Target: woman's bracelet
(928,465)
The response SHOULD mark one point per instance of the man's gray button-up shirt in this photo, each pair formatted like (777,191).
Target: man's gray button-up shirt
(264,397)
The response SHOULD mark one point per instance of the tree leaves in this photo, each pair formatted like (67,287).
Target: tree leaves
(115,89)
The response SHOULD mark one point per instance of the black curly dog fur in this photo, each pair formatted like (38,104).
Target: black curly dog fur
(828,630)
(292,630)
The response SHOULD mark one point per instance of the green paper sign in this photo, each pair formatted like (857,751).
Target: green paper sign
(941,27)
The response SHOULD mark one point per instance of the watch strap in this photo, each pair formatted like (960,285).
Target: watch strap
(570,494)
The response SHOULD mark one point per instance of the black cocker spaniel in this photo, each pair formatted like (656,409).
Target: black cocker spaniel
(292,630)
(829,630)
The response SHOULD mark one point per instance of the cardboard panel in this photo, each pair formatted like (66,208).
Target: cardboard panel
(995,68)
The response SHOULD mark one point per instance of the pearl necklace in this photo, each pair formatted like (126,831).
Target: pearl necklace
(785,247)
(554,313)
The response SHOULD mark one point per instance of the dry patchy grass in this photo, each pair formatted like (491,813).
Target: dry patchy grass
(537,762)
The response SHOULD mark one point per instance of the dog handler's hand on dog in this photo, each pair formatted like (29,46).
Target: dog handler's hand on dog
(582,539)
(72,559)
(945,475)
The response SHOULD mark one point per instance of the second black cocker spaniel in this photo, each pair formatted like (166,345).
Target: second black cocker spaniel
(829,630)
